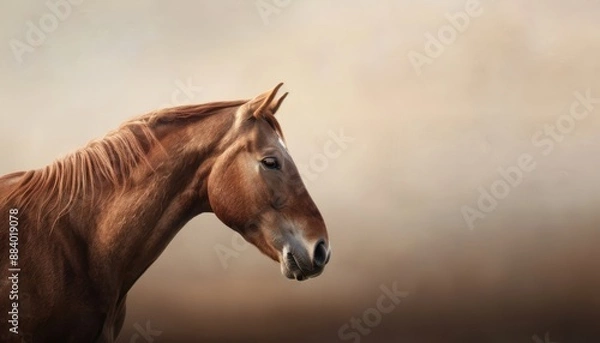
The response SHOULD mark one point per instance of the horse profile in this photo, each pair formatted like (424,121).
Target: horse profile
(83,229)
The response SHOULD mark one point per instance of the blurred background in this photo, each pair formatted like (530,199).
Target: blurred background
(437,101)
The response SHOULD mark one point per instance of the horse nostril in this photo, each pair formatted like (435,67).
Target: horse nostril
(321,256)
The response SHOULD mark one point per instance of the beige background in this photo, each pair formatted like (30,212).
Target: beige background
(423,144)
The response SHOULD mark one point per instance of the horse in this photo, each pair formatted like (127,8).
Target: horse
(83,229)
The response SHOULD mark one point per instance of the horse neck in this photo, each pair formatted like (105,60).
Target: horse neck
(137,225)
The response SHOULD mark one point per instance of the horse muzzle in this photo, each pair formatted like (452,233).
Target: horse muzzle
(303,261)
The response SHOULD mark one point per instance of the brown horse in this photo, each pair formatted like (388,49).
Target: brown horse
(83,229)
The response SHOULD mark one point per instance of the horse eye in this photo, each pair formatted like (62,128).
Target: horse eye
(270,163)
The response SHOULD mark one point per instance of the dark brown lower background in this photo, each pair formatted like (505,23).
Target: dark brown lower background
(516,283)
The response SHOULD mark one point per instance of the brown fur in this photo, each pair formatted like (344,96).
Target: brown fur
(106,161)
(92,222)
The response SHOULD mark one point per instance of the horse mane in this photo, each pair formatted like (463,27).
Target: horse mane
(84,173)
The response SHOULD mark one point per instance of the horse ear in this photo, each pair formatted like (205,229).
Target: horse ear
(275,107)
(259,105)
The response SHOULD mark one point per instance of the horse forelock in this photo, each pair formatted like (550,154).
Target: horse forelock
(272,121)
